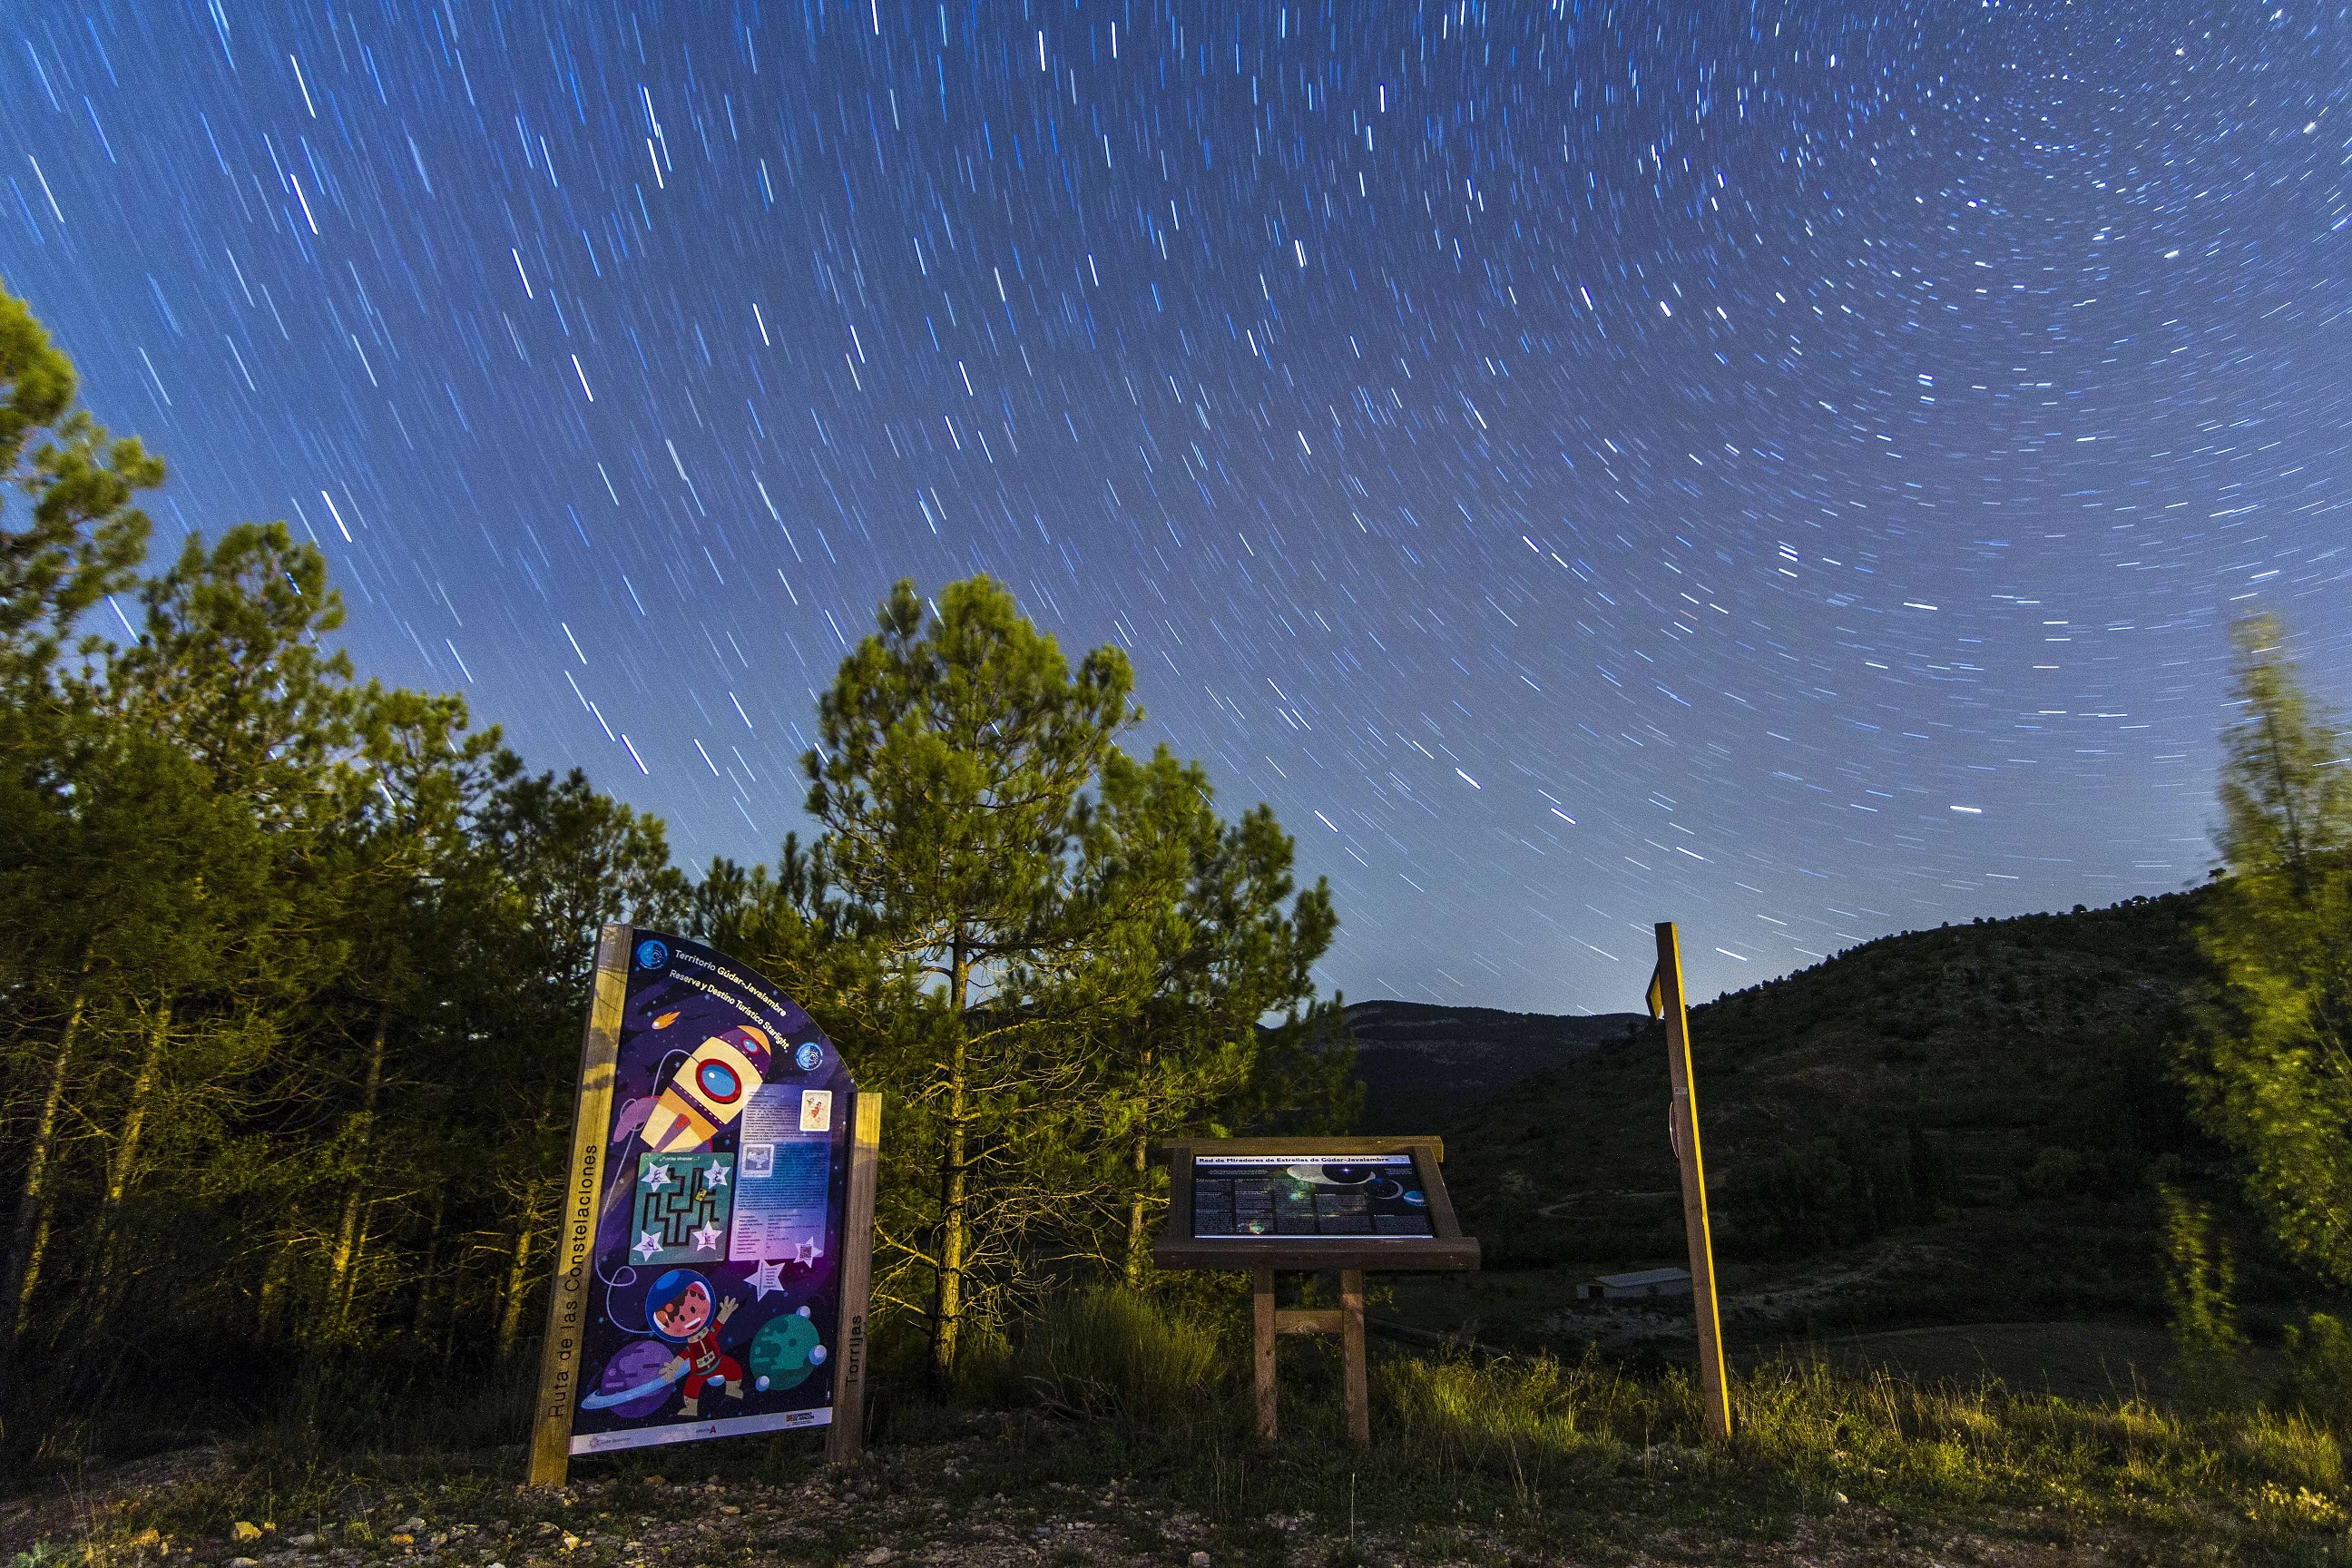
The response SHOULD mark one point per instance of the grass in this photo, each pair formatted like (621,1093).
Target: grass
(1117,1418)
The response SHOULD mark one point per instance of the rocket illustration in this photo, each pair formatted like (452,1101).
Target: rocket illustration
(709,1093)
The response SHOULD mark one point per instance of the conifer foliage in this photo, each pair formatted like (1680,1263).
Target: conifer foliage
(2270,1070)
(290,964)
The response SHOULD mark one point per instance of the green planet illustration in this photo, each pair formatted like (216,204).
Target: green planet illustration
(783,1352)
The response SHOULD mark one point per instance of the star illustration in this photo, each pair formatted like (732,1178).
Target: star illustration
(657,1177)
(714,1178)
(647,1245)
(763,1279)
(807,1252)
(707,1239)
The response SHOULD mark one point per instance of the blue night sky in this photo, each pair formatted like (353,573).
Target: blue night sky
(1789,471)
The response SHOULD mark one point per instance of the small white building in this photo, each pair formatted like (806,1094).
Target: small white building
(1637,1286)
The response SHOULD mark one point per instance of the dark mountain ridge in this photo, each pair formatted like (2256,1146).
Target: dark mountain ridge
(1964,1123)
(1423,1067)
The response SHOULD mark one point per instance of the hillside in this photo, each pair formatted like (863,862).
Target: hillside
(1948,1126)
(1423,1067)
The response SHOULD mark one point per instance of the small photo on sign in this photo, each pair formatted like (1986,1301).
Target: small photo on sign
(759,1161)
(816,1110)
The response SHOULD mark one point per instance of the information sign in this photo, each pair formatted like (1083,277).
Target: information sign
(1348,1205)
(699,1293)
(1310,1203)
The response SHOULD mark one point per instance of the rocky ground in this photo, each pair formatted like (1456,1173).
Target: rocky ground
(944,1503)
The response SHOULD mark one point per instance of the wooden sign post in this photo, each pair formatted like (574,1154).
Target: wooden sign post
(1682,1126)
(845,1440)
(568,1303)
(1310,1206)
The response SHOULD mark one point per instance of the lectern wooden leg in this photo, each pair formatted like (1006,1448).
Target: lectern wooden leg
(1352,1342)
(1261,1343)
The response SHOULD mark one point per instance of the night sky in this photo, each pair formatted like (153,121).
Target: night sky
(1785,471)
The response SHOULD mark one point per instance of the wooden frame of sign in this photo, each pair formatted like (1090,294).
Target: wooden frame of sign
(1370,1204)
(845,1440)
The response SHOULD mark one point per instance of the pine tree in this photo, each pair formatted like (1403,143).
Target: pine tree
(401,863)
(566,859)
(291,967)
(1047,952)
(75,537)
(210,985)
(2270,1070)
(953,752)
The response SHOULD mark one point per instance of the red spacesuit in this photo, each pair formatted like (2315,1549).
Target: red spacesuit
(706,1364)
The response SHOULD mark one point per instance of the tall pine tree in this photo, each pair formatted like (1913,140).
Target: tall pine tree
(953,752)
(1057,952)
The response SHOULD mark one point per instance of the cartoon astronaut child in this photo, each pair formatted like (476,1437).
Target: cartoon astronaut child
(680,1310)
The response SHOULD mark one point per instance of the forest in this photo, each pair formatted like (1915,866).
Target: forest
(294,969)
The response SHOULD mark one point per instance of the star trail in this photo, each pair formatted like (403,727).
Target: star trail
(1784,469)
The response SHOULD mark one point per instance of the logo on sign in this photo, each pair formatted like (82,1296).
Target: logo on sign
(652,954)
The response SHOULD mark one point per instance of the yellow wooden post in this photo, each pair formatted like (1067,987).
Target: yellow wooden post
(844,1442)
(567,1303)
(1682,1119)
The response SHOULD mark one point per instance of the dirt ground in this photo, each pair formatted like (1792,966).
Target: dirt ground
(916,1505)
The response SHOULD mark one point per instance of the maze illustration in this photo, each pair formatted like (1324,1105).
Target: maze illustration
(684,1205)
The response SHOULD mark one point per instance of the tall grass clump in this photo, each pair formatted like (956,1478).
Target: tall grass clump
(1109,1351)
(1476,1411)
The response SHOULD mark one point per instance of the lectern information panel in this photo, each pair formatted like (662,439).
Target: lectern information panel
(1325,1193)
(1308,1203)
(1310,1206)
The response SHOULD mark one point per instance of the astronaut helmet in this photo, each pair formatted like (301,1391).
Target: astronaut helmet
(679,1306)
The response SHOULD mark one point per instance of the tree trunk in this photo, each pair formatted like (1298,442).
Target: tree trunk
(519,1276)
(1136,1200)
(341,1273)
(40,1246)
(428,1277)
(31,1236)
(1135,1206)
(2283,783)
(273,1287)
(955,1194)
(134,1115)
(120,1168)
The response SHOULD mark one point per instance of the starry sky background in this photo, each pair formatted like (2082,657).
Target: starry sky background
(1786,469)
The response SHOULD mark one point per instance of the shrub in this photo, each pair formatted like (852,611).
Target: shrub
(2318,1383)
(2197,1285)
